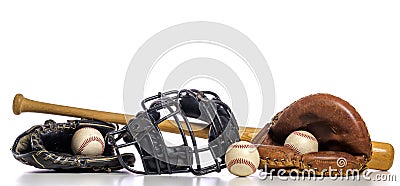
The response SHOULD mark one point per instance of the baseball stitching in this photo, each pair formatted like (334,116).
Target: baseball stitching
(305,136)
(243,146)
(241,161)
(291,146)
(88,140)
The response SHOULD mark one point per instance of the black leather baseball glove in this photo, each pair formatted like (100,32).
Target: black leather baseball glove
(48,146)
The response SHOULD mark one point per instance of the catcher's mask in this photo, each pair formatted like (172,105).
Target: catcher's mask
(158,158)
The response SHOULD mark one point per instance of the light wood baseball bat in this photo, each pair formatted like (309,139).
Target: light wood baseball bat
(382,153)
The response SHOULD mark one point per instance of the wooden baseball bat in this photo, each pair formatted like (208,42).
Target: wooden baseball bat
(382,153)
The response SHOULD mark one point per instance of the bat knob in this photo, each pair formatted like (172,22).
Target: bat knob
(17,104)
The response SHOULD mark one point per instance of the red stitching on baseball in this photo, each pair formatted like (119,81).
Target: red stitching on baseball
(241,161)
(291,146)
(305,136)
(88,140)
(243,146)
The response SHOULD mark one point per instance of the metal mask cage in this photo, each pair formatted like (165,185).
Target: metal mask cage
(158,158)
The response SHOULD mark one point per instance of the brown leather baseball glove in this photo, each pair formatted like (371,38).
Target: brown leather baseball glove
(344,145)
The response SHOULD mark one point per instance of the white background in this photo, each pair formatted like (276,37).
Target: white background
(77,53)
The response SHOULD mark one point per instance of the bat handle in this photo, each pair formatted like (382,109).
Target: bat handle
(22,104)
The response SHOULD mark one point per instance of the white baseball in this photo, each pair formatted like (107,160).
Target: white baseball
(242,158)
(87,141)
(302,142)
